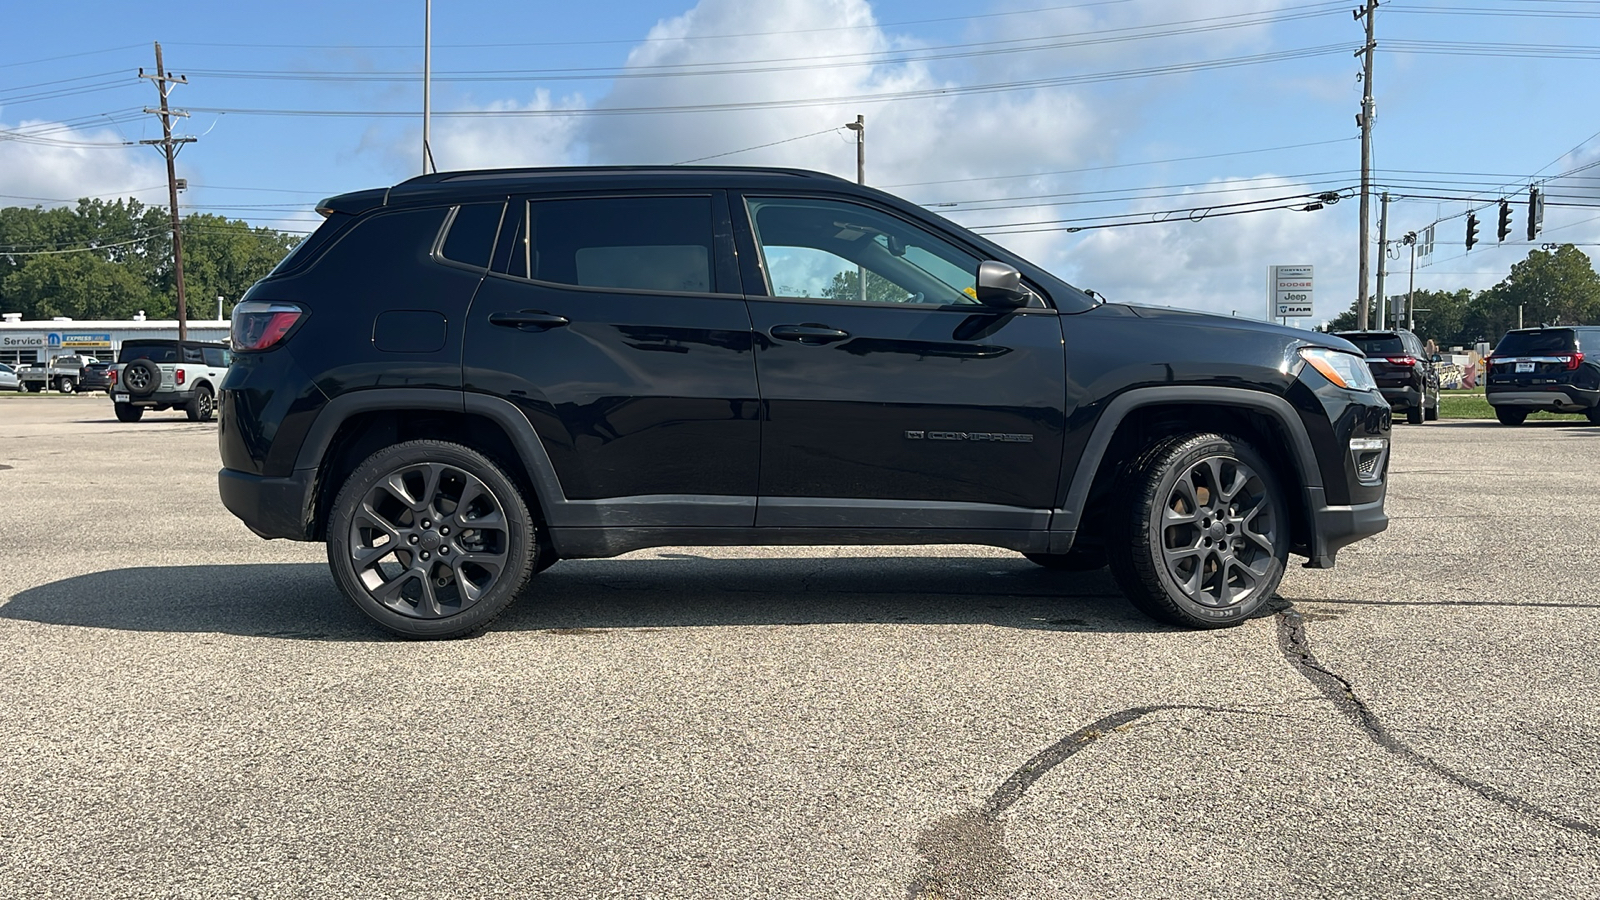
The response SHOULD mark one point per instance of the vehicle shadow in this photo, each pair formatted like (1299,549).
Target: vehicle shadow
(300,600)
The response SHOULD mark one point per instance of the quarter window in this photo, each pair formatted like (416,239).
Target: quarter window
(472,232)
(659,244)
(834,250)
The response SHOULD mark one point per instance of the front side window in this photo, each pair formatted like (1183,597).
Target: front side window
(830,249)
(621,243)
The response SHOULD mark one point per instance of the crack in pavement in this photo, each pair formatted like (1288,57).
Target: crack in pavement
(1296,647)
(964,855)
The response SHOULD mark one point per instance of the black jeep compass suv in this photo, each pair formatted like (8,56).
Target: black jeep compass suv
(463,378)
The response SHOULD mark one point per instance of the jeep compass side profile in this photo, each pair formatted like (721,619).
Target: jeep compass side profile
(456,381)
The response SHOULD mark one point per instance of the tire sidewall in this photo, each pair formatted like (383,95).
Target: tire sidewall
(1177,459)
(151,384)
(519,530)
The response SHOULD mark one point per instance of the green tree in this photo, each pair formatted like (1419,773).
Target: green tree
(223,258)
(1549,288)
(80,285)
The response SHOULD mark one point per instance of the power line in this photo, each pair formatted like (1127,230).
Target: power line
(758,146)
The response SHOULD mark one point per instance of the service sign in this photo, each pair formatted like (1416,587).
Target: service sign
(1291,291)
(21,340)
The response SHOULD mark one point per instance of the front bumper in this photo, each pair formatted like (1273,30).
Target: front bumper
(270,507)
(1339,526)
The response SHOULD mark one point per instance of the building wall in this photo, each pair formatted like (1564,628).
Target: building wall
(22,343)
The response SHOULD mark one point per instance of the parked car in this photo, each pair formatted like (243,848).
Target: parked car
(1545,368)
(9,380)
(61,373)
(95,377)
(1407,375)
(458,380)
(159,373)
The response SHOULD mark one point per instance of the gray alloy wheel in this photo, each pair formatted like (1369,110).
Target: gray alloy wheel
(430,539)
(141,377)
(64,385)
(200,408)
(1205,532)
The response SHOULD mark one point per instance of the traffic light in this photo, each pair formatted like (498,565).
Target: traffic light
(1505,219)
(1472,229)
(1535,212)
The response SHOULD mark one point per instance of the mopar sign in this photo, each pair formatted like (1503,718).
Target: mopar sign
(1290,292)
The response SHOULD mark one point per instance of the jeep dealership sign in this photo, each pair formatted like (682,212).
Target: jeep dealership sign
(1290,294)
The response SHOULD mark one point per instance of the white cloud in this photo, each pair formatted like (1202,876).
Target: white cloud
(49,171)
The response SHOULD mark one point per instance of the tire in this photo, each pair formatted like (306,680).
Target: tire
(1431,414)
(1414,415)
(34,387)
(1078,559)
(141,377)
(1510,415)
(460,577)
(1593,415)
(127,412)
(1201,535)
(65,385)
(202,406)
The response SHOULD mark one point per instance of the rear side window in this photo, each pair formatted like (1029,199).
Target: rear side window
(216,357)
(305,252)
(630,243)
(472,234)
(1549,342)
(193,355)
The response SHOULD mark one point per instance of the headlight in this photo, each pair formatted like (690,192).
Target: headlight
(1343,369)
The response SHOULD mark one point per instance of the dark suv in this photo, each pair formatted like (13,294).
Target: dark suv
(458,380)
(1545,368)
(1404,371)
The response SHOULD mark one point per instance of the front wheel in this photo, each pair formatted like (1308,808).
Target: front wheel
(1203,534)
(201,407)
(430,539)
(1510,415)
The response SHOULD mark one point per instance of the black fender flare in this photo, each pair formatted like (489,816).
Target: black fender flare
(1064,523)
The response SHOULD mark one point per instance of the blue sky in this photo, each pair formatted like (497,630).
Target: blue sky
(1024,117)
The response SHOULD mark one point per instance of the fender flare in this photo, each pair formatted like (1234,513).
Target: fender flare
(1064,524)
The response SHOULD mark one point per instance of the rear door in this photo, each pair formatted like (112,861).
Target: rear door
(890,396)
(614,322)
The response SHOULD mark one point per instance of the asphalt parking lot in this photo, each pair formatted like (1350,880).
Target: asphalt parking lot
(189,711)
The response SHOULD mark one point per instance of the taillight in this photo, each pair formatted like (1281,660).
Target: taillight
(111,375)
(178,376)
(262,324)
(1407,361)
(1574,361)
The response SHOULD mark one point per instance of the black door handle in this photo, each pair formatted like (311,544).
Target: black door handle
(529,320)
(808,334)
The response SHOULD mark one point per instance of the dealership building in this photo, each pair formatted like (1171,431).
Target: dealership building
(23,342)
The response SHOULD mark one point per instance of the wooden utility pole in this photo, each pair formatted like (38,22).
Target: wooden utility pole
(169,148)
(1365,120)
(1383,261)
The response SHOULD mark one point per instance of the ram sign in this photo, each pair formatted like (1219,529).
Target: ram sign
(1290,295)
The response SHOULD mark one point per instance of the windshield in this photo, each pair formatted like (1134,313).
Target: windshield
(1545,342)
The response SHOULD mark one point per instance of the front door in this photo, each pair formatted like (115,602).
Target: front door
(891,397)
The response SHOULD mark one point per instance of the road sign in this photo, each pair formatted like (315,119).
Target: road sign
(1291,292)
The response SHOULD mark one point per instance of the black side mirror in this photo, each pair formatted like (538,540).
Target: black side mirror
(1000,284)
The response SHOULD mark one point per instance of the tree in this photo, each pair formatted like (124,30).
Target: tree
(79,285)
(1547,288)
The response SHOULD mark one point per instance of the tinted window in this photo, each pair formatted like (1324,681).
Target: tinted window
(472,233)
(631,243)
(844,251)
(161,353)
(1548,342)
(216,357)
(1378,344)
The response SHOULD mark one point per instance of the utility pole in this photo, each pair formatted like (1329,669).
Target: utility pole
(1411,289)
(1365,120)
(169,148)
(1383,258)
(427,83)
(859,126)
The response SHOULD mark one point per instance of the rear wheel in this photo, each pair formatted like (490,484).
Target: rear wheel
(1203,532)
(430,539)
(1510,415)
(64,385)
(1431,414)
(201,407)
(127,412)
(1414,414)
(1593,415)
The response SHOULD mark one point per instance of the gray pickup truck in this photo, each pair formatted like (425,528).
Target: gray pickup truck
(166,374)
(62,373)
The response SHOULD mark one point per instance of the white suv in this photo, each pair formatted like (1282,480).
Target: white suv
(166,374)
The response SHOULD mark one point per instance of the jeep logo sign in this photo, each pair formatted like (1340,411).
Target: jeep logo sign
(1289,294)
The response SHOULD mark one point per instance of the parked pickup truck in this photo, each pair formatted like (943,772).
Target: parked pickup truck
(166,374)
(62,373)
